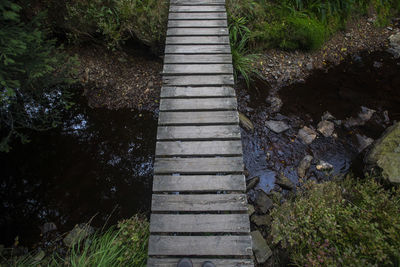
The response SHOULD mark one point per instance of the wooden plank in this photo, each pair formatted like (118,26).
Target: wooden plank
(198,118)
(196,23)
(197,31)
(197,40)
(177,104)
(198,183)
(198,49)
(176,92)
(196,9)
(197,2)
(199,80)
(190,223)
(198,262)
(197,16)
(200,245)
(195,203)
(199,148)
(197,59)
(188,69)
(198,165)
(215,132)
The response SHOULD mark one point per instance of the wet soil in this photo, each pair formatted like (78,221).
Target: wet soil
(96,166)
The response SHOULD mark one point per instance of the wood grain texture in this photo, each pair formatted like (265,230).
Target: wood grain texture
(198,262)
(198,183)
(203,202)
(197,40)
(196,9)
(190,69)
(197,16)
(200,245)
(214,132)
(197,59)
(199,80)
(197,2)
(199,148)
(198,118)
(196,23)
(198,165)
(195,223)
(198,49)
(197,32)
(167,104)
(185,92)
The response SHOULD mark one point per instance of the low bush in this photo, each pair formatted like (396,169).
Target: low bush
(348,223)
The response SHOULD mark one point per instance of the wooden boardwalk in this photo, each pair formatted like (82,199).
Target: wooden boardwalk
(199,205)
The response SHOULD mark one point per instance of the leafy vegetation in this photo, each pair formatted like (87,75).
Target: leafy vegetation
(348,223)
(31,65)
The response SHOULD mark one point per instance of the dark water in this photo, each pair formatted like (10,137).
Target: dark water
(98,164)
(370,80)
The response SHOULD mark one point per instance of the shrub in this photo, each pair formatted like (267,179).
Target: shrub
(349,223)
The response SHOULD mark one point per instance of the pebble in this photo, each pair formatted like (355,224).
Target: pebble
(260,248)
(305,163)
(277,126)
(326,128)
(323,166)
(307,135)
(264,203)
(363,142)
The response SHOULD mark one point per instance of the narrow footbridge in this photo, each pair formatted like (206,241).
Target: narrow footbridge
(199,205)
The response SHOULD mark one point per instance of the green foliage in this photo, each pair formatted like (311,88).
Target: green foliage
(348,223)
(117,20)
(30,66)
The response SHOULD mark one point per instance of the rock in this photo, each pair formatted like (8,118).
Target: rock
(366,114)
(150,84)
(327,116)
(326,128)
(277,126)
(323,166)
(385,154)
(275,103)
(252,182)
(260,248)
(48,227)
(261,220)
(304,165)
(263,202)
(377,64)
(307,135)
(394,45)
(386,116)
(245,122)
(284,182)
(77,234)
(363,142)
(250,209)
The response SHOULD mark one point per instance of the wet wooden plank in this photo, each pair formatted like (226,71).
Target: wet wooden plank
(197,16)
(199,80)
(197,59)
(198,262)
(190,223)
(197,40)
(197,2)
(198,49)
(225,165)
(198,118)
(190,104)
(176,92)
(197,31)
(200,245)
(199,148)
(190,69)
(197,9)
(214,132)
(196,23)
(195,203)
(198,183)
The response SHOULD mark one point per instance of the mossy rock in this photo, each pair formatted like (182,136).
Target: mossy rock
(385,154)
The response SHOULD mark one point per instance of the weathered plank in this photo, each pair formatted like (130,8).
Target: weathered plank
(198,165)
(214,132)
(197,59)
(176,92)
(197,31)
(202,16)
(197,2)
(190,223)
(178,104)
(198,183)
(199,80)
(199,148)
(195,203)
(198,262)
(198,118)
(190,69)
(200,245)
(196,9)
(197,40)
(196,23)
(198,49)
